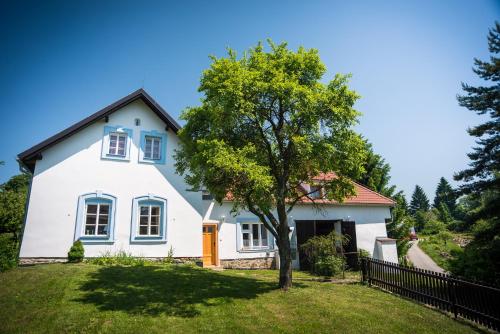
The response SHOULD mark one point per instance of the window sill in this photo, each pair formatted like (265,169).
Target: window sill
(96,240)
(256,250)
(148,240)
(152,162)
(116,157)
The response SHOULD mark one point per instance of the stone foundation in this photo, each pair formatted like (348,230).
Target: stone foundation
(26,261)
(252,263)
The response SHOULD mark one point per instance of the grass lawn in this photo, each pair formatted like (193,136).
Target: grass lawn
(440,252)
(85,298)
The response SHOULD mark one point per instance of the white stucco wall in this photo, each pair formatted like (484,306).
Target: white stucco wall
(74,167)
(370,224)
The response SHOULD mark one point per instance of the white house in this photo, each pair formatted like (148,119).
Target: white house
(109,180)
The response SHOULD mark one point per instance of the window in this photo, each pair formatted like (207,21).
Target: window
(315,192)
(95,218)
(117,144)
(254,236)
(152,148)
(149,220)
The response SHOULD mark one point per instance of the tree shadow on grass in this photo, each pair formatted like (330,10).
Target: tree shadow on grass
(170,290)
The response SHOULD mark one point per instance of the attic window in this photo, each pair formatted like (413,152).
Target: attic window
(315,192)
(117,144)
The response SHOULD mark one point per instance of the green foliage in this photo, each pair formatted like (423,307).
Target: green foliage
(484,100)
(399,226)
(421,219)
(481,259)
(121,257)
(267,123)
(419,201)
(444,236)
(445,196)
(8,252)
(76,252)
(13,195)
(170,256)
(329,265)
(434,227)
(322,253)
(441,249)
(444,214)
(364,253)
(376,175)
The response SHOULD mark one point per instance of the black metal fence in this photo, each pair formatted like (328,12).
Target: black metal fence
(471,300)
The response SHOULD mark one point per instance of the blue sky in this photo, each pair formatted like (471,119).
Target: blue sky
(63,60)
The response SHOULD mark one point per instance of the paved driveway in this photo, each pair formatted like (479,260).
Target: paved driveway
(422,260)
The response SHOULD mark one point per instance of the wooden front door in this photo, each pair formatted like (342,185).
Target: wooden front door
(209,245)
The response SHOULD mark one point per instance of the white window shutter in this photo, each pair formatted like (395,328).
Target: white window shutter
(270,239)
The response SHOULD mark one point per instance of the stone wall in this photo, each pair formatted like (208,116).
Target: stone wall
(26,261)
(252,263)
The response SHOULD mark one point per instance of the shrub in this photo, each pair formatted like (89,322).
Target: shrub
(322,253)
(422,218)
(364,253)
(76,252)
(434,227)
(8,252)
(329,265)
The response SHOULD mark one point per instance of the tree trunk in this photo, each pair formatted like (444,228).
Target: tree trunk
(285,257)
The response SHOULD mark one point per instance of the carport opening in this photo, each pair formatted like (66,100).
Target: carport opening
(306,229)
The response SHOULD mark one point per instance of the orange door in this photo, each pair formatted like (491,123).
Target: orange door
(209,245)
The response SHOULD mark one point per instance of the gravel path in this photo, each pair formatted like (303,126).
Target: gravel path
(422,260)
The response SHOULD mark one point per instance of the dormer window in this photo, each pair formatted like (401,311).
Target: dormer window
(116,143)
(315,192)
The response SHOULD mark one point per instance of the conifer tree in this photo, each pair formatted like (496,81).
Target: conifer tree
(419,201)
(445,195)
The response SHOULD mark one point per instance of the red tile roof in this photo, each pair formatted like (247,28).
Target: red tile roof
(364,196)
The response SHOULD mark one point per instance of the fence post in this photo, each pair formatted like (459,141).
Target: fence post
(363,270)
(369,272)
(452,295)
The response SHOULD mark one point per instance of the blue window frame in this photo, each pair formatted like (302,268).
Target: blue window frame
(116,143)
(153,147)
(149,219)
(95,218)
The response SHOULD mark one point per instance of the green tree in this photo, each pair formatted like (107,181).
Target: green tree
(481,257)
(446,195)
(266,125)
(399,226)
(444,213)
(419,201)
(13,195)
(376,174)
